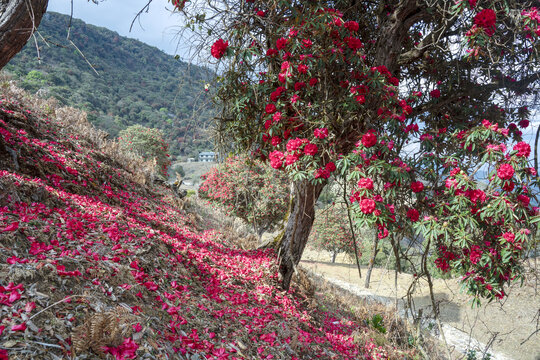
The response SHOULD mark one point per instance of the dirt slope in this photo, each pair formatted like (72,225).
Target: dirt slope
(94,264)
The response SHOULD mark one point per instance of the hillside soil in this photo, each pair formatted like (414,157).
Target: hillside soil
(507,325)
(95,262)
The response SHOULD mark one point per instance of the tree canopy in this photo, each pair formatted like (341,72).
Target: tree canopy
(424,99)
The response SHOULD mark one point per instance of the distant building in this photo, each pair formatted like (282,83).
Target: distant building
(190,160)
(208,156)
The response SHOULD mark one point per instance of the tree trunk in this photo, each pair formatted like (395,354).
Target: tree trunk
(294,238)
(393,31)
(18,21)
(334,257)
(374,252)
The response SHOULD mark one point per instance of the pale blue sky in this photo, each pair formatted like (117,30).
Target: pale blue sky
(157,27)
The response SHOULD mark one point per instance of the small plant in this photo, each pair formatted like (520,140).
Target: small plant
(376,322)
(411,340)
(472,355)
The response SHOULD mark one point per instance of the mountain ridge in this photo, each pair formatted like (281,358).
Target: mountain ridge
(137,83)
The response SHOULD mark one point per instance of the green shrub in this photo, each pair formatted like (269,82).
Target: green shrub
(147,143)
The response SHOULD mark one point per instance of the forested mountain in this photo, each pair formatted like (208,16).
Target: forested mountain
(137,83)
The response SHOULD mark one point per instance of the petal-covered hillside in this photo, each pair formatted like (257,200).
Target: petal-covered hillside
(95,264)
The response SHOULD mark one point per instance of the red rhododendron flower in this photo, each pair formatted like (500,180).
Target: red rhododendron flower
(450,183)
(524,123)
(417,186)
(369,139)
(476,195)
(331,166)
(523,149)
(508,236)
(365,183)
(485,18)
(320,133)
(219,48)
(270,108)
(383,233)
(476,254)
(276,140)
(435,93)
(291,159)
(294,144)
(29,306)
(313,81)
(508,186)
(352,26)
(281,43)
(505,172)
(271,52)
(413,214)
(179,4)
(322,173)
(274,96)
(306,43)
(354,43)
(299,86)
(310,149)
(276,159)
(524,199)
(361,99)
(303,69)
(367,206)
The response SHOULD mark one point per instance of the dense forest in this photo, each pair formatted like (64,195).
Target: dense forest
(135,83)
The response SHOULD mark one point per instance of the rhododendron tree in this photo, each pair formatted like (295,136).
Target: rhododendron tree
(331,233)
(423,100)
(147,143)
(248,189)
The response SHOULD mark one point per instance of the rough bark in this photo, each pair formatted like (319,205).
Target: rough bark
(18,21)
(334,255)
(293,241)
(393,31)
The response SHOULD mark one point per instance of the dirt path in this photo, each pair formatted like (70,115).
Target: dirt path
(510,323)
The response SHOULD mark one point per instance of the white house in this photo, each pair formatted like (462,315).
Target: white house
(207,156)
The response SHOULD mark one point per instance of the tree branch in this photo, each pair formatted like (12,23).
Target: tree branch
(145,8)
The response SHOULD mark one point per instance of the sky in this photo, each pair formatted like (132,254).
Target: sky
(157,27)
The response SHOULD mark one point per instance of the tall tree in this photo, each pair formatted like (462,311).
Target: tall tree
(311,85)
(18,21)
